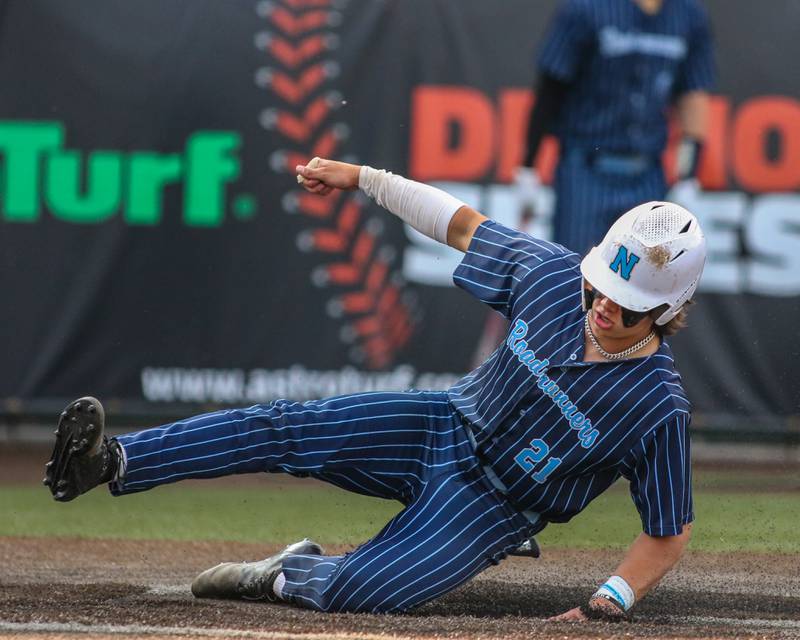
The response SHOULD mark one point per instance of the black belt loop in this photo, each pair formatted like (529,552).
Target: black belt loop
(464,420)
(473,430)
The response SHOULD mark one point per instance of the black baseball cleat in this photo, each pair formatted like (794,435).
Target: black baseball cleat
(82,457)
(249,580)
(528,548)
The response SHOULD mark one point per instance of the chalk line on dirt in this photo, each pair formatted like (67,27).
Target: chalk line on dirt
(140,629)
(752,624)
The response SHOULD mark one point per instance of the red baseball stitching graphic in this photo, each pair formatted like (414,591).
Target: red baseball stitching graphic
(293,55)
(366,293)
(299,129)
(295,25)
(294,89)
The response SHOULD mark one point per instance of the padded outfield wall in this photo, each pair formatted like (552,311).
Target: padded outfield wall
(155,249)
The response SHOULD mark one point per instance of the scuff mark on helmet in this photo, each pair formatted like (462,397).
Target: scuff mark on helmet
(658,256)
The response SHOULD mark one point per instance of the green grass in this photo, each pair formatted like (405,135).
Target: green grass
(246,514)
(726,519)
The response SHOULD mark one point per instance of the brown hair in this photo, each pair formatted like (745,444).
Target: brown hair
(676,324)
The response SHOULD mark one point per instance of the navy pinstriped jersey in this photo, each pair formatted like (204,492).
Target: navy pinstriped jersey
(556,430)
(625,66)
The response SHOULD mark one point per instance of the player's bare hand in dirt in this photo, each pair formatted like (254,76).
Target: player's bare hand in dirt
(573,615)
(597,609)
(323,176)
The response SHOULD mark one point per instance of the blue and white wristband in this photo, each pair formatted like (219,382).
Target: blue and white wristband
(617,590)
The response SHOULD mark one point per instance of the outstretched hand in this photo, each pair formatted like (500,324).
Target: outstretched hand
(597,609)
(323,176)
(573,615)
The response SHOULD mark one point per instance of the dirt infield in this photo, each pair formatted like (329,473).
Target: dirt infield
(58,587)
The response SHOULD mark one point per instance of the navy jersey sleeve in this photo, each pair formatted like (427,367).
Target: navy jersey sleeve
(697,73)
(498,260)
(661,483)
(567,40)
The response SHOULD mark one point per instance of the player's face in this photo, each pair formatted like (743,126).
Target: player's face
(607,317)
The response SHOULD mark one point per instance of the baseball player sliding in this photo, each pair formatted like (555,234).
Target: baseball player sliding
(581,391)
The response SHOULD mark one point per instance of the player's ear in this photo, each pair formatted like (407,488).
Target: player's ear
(588,297)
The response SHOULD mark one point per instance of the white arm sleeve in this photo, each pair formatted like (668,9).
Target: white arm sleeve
(427,209)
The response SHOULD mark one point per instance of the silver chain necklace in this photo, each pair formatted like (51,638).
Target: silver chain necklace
(621,354)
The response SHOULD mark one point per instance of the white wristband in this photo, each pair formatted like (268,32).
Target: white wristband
(427,209)
(619,590)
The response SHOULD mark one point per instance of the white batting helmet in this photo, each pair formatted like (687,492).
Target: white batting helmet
(653,255)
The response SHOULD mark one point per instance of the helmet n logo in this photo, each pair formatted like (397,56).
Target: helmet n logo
(624,262)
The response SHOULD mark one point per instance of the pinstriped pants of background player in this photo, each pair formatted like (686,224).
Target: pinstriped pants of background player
(410,447)
(591,194)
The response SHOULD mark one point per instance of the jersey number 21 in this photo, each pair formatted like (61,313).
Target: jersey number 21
(528,459)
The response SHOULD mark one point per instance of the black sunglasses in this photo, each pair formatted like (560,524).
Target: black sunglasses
(629,318)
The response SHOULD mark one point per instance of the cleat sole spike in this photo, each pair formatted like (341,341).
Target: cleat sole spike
(80,457)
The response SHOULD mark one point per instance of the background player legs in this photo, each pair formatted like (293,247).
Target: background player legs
(589,198)
(457,527)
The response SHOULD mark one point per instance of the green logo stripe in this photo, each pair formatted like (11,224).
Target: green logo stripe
(89,188)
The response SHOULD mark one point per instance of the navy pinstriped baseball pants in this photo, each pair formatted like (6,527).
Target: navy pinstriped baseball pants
(410,446)
(589,200)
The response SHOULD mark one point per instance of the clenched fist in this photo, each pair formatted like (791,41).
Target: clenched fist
(323,176)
